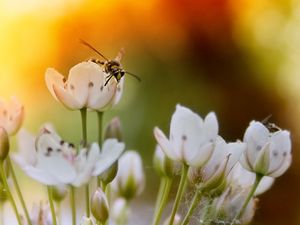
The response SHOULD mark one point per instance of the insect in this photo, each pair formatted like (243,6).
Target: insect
(112,67)
(271,126)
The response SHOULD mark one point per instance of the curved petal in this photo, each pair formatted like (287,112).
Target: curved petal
(201,157)
(280,147)
(83,78)
(26,147)
(211,126)
(235,150)
(256,136)
(283,167)
(66,98)
(165,144)
(53,77)
(186,132)
(112,150)
(40,176)
(264,185)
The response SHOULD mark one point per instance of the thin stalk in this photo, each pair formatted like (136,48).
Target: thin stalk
(161,190)
(49,189)
(163,200)
(180,192)
(58,210)
(250,195)
(72,202)
(207,219)
(1,213)
(10,197)
(87,200)
(100,128)
(195,202)
(84,140)
(19,193)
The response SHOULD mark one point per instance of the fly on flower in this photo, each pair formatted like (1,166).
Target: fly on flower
(112,67)
(272,127)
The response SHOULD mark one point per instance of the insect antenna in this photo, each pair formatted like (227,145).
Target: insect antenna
(133,75)
(91,47)
(266,120)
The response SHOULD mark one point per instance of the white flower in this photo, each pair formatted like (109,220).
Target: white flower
(84,87)
(191,138)
(11,115)
(55,162)
(130,179)
(245,179)
(229,204)
(268,153)
(224,157)
(120,211)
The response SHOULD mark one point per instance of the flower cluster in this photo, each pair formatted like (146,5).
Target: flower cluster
(228,177)
(225,177)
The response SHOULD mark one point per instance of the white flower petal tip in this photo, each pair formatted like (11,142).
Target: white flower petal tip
(12,115)
(84,87)
(268,153)
(191,140)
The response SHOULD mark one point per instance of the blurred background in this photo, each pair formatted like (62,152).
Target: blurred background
(237,58)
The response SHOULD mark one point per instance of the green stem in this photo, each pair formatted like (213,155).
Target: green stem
(58,209)
(159,196)
(49,189)
(84,140)
(87,200)
(72,202)
(180,192)
(100,128)
(83,122)
(10,197)
(195,202)
(1,213)
(163,200)
(208,212)
(18,191)
(250,195)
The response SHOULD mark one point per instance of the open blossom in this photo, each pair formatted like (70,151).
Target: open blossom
(191,138)
(54,161)
(11,115)
(215,171)
(84,87)
(268,153)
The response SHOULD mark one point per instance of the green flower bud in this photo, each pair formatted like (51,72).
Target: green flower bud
(99,206)
(113,130)
(108,175)
(59,193)
(4,144)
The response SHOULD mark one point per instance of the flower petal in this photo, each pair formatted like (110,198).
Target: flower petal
(40,176)
(165,144)
(112,150)
(256,136)
(201,157)
(186,132)
(211,126)
(66,98)
(53,77)
(26,144)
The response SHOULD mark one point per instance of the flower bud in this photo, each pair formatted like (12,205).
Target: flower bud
(108,175)
(130,179)
(99,206)
(59,193)
(86,221)
(4,144)
(120,211)
(113,130)
(162,164)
